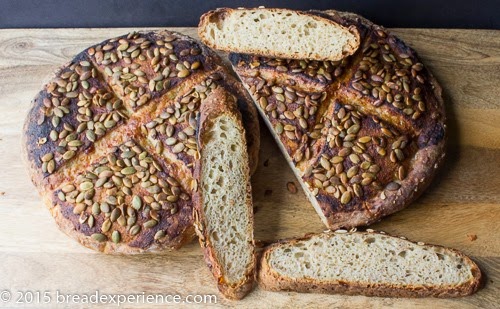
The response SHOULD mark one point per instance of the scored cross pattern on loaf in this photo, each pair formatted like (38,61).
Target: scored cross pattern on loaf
(364,135)
(111,139)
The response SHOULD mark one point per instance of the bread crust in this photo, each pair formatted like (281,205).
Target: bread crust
(220,102)
(178,227)
(426,130)
(219,14)
(269,279)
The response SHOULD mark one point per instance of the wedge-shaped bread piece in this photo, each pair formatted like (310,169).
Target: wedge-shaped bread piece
(223,203)
(278,33)
(364,135)
(372,264)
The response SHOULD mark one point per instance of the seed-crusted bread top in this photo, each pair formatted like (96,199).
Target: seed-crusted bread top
(110,141)
(364,135)
(277,33)
(368,263)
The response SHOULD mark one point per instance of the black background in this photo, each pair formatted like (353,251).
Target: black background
(156,13)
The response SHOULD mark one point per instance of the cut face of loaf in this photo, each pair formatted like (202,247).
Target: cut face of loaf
(224,205)
(278,33)
(371,264)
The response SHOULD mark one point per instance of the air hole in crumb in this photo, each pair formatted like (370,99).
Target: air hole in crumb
(233,147)
(370,240)
(223,135)
(299,254)
(459,266)
(311,24)
(402,254)
(440,256)
(215,236)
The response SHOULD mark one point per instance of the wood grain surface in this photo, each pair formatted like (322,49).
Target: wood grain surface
(463,200)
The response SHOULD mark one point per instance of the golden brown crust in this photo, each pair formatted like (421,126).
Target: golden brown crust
(218,16)
(220,102)
(380,105)
(99,102)
(269,279)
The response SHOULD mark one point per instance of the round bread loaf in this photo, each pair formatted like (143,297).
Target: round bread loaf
(364,134)
(110,141)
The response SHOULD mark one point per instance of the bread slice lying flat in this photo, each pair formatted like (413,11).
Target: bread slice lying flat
(277,33)
(371,264)
(223,203)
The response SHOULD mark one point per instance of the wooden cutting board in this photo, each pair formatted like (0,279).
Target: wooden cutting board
(462,203)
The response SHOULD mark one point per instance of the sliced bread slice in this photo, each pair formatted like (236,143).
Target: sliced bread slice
(223,202)
(277,33)
(372,264)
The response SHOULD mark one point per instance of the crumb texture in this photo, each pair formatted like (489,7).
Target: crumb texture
(369,258)
(283,32)
(224,185)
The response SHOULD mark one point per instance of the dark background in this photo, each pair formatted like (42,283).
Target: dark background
(156,13)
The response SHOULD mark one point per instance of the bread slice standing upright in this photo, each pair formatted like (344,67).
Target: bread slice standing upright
(223,202)
(277,33)
(367,263)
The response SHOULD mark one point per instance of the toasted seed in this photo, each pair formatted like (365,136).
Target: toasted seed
(170,141)
(95,209)
(134,230)
(346,197)
(358,190)
(325,163)
(179,147)
(99,237)
(47,157)
(337,159)
(279,128)
(352,171)
(364,139)
(111,200)
(128,170)
(160,234)
(136,202)
(105,207)
(68,188)
(183,73)
(116,237)
(68,154)
(115,214)
(399,154)
(263,102)
(303,123)
(401,173)
(87,185)
(392,186)
(151,223)
(354,158)
(106,225)
(79,208)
